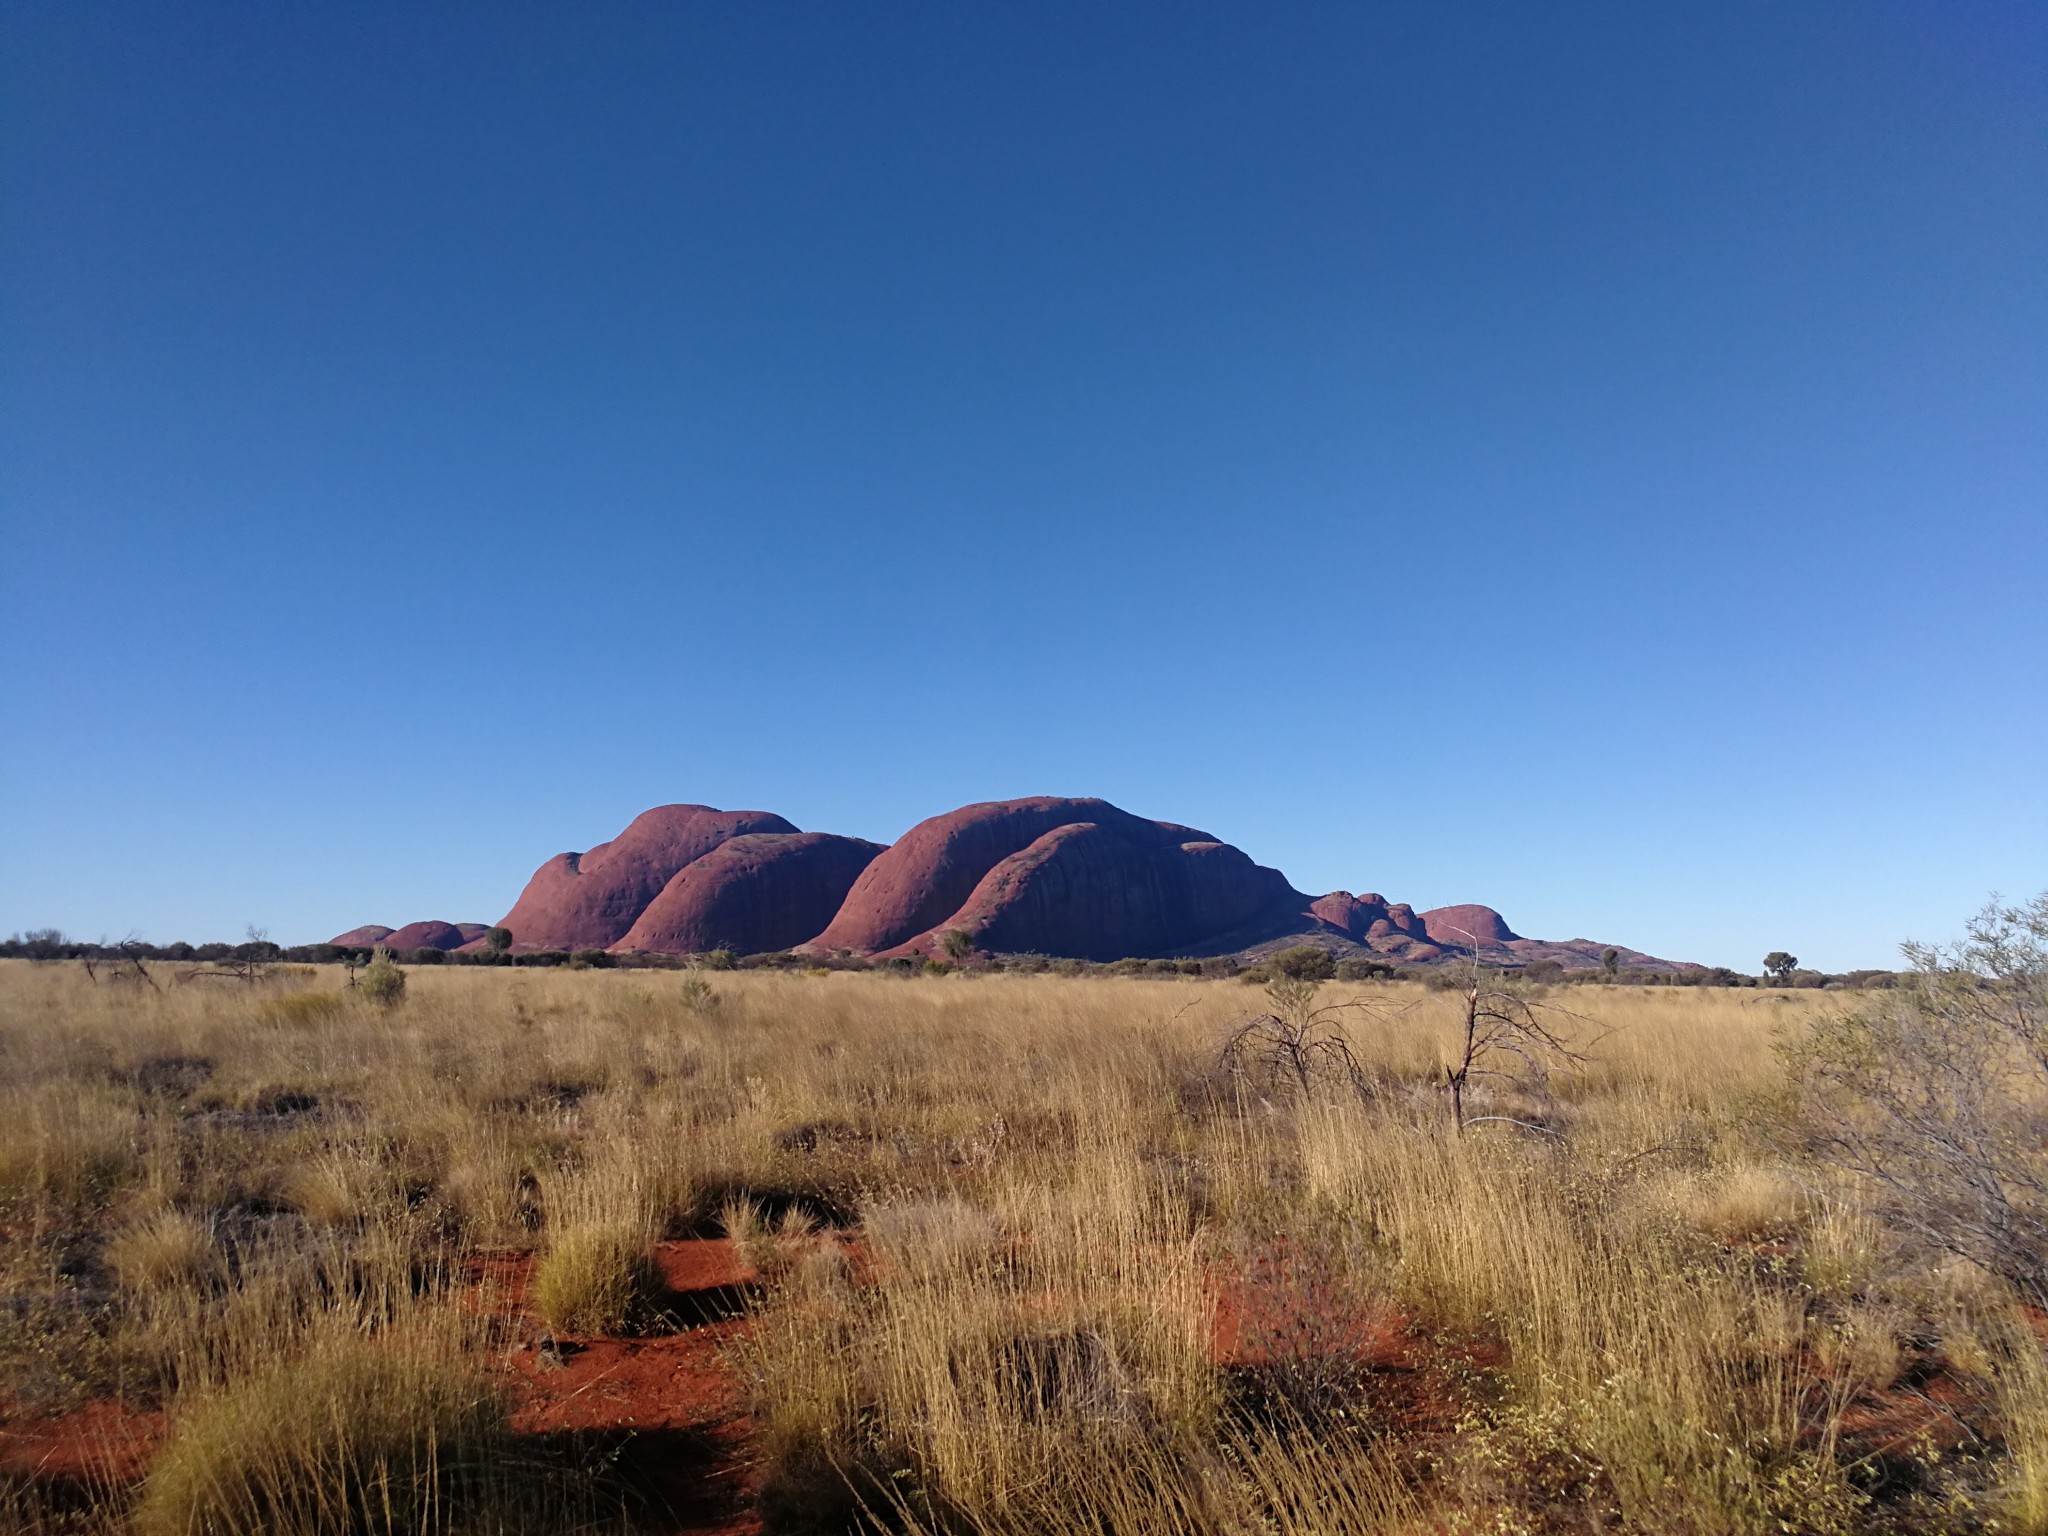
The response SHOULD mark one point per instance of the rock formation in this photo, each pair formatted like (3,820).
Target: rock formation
(1076,878)
(590,900)
(431,935)
(1468,927)
(1054,876)
(366,937)
(751,894)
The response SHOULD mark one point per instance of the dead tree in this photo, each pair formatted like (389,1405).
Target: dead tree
(1296,1042)
(1506,1039)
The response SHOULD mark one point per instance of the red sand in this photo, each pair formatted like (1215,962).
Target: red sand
(669,1411)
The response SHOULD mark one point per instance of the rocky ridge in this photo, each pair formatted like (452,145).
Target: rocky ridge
(1049,875)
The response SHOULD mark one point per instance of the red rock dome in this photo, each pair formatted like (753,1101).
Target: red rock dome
(366,937)
(1093,892)
(1468,927)
(929,873)
(1054,876)
(590,900)
(752,894)
(1353,916)
(429,935)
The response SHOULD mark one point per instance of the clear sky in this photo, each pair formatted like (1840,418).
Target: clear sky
(1589,459)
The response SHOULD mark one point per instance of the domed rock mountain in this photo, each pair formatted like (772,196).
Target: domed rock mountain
(1071,878)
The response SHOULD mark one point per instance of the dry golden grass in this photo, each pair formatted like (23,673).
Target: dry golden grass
(995,1215)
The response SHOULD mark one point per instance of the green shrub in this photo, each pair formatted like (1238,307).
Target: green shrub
(1304,962)
(1352,968)
(382,982)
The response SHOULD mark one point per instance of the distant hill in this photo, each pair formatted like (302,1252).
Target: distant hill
(1069,878)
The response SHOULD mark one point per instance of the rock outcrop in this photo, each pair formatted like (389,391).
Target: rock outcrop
(751,894)
(1468,927)
(1047,875)
(366,937)
(591,900)
(1074,878)
(432,935)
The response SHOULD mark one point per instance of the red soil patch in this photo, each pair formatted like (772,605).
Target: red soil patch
(666,1412)
(668,1409)
(1277,1317)
(104,1443)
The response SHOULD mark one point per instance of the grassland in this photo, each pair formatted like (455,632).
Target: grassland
(1013,1254)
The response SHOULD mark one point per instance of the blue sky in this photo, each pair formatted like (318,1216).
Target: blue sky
(1589,459)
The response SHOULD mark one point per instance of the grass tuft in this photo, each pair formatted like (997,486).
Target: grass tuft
(355,1439)
(597,1278)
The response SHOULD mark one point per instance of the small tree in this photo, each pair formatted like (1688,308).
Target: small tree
(1610,961)
(1936,1094)
(497,941)
(1779,966)
(957,943)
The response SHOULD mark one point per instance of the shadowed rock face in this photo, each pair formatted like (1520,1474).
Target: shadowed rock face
(929,873)
(1094,892)
(431,935)
(1053,876)
(590,900)
(754,893)
(366,937)
(1468,927)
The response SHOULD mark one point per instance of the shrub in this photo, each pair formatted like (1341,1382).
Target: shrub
(593,959)
(382,982)
(426,956)
(1934,1094)
(1304,962)
(597,1277)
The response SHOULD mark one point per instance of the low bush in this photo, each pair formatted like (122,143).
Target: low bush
(382,982)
